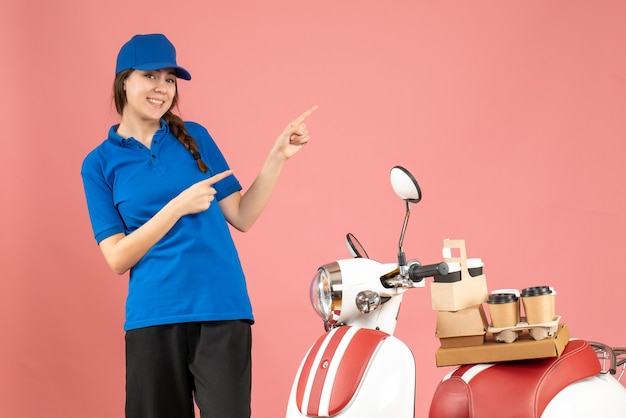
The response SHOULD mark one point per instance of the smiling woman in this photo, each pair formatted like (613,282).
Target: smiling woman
(149,94)
(188,313)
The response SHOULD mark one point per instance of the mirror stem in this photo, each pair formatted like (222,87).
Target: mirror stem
(401,255)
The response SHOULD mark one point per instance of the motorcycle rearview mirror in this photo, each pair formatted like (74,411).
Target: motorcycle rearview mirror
(355,248)
(406,187)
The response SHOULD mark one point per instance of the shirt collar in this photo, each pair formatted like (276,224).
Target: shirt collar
(118,139)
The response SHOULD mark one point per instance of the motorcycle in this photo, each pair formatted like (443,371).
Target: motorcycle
(358,368)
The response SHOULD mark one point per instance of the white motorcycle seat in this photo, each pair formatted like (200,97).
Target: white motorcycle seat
(512,389)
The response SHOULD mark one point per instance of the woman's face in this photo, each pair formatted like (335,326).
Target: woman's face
(149,94)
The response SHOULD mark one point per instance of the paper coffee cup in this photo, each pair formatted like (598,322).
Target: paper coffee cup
(539,304)
(475,266)
(503,309)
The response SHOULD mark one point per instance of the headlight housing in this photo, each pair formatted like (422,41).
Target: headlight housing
(326,292)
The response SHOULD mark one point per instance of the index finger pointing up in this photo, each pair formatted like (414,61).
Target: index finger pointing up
(305,115)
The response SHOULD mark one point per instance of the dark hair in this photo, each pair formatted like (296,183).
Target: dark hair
(176,124)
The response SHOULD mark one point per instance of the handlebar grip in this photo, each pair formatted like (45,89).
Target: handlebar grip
(417,273)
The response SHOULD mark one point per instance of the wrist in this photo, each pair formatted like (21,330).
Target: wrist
(174,209)
(277,156)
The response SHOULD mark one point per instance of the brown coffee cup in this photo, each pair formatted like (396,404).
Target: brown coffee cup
(539,304)
(503,309)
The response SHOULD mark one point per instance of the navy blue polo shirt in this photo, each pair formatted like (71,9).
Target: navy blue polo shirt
(193,273)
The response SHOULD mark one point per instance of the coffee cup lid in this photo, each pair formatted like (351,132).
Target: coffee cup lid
(474,262)
(496,298)
(536,291)
(513,291)
(453,267)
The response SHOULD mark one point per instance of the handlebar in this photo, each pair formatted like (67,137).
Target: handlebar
(615,355)
(417,273)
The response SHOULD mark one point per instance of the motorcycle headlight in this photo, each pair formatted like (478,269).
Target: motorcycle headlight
(325,292)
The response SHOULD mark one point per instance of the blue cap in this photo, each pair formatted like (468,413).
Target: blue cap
(147,53)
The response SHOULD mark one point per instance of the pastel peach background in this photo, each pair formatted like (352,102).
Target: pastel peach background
(511,114)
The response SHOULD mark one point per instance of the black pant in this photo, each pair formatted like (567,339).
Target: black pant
(167,366)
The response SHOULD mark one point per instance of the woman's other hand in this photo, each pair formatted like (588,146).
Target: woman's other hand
(294,136)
